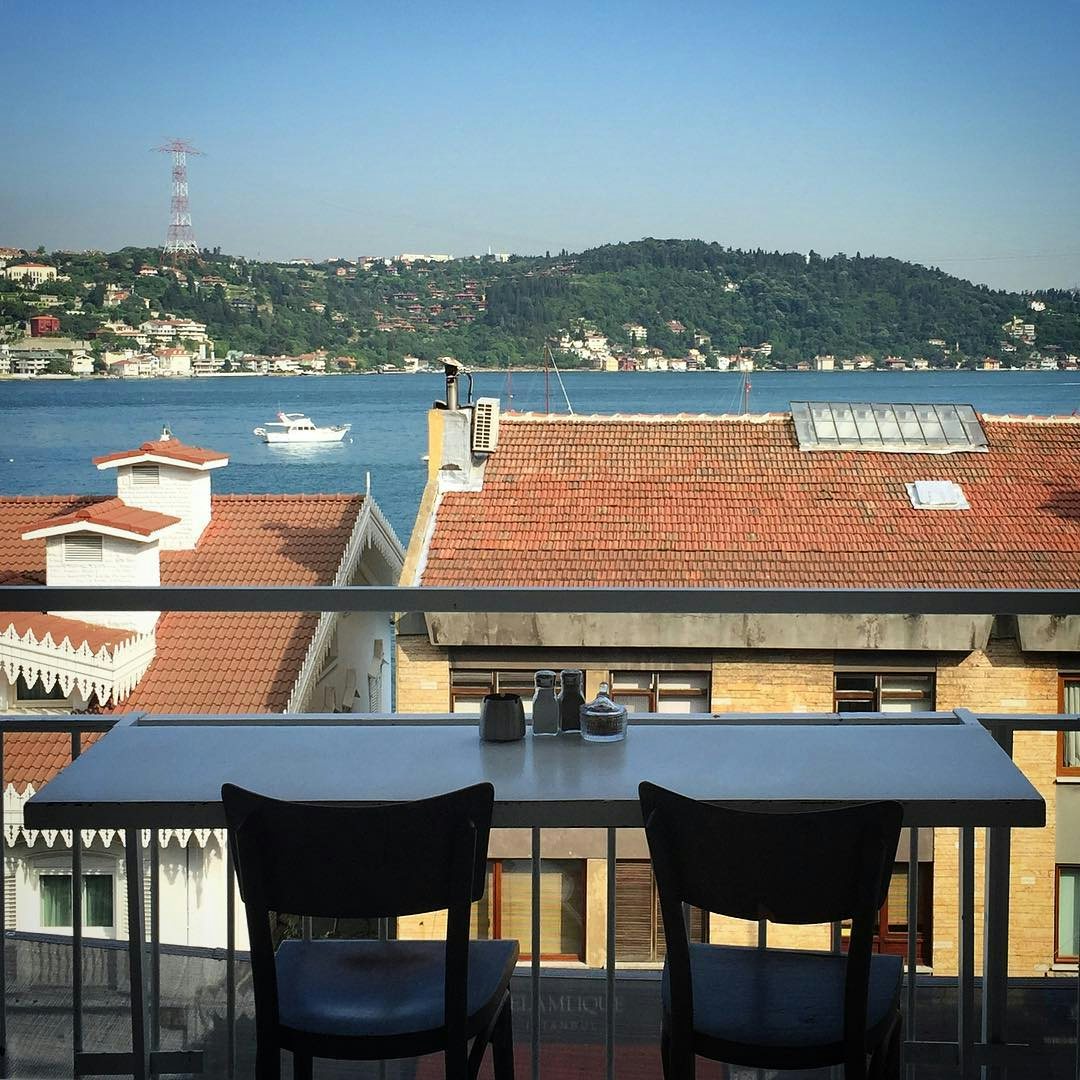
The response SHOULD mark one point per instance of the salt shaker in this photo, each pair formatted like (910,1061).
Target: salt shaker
(570,701)
(545,709)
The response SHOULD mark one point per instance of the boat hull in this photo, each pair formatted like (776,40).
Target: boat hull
(303,438)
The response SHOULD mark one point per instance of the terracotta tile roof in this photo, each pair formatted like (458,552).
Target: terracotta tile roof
(71,630)
(165,448)
(111,514)
(733,501)
(205,662)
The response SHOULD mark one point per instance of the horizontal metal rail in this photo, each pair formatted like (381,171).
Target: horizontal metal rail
(597,600)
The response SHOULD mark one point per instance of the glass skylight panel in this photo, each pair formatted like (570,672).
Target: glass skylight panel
(898,428)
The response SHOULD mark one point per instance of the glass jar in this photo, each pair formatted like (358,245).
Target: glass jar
(545,708)
(570,701)
(603,720)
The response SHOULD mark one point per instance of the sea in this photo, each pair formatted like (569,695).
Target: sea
(50,430)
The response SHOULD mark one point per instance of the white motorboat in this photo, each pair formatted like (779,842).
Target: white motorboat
(295,428)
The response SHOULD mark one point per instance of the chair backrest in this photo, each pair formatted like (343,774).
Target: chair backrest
(360,862)
(809,867)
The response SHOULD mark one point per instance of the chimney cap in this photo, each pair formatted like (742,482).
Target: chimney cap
(168,450)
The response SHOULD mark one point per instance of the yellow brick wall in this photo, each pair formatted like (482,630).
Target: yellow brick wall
(748,680)
(1001,679)
(423,676)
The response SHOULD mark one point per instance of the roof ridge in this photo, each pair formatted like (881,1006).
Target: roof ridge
(660,418)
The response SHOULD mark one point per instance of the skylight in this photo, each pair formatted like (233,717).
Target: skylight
(889,428)
(937,495)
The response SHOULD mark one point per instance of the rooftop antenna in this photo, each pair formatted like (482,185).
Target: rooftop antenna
(180,241)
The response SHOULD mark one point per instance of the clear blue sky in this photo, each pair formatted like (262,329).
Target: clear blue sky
(946,134)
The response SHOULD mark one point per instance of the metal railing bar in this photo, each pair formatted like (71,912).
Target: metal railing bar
(63,724)
(76,926)
(763,934)
(230,963)
(965,1012)
(576,600)
(155,940)
(3,916)
(140,1048)
(534,967)
(912,937)
(609,959)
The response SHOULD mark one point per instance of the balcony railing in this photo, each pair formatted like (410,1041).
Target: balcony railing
(981,1038)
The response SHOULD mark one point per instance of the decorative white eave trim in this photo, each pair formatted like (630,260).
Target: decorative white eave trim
(371,529)
(15,831)
(111,673)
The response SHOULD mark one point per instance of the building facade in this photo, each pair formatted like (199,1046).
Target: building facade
(165,526)
(770,501)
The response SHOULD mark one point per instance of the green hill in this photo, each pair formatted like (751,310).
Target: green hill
(487,312)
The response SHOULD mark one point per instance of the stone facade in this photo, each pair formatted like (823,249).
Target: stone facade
(999,678)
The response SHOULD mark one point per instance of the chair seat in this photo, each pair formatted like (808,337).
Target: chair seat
(775,1000)
(383,988)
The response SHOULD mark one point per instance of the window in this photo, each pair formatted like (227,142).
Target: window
(892,929)
(639,927)
(1065,928)
(898,692)
(145,475)
(505,910)
(469,685)
(80,547)
(1069,741)
(661,691)
(97,900)
(37,692)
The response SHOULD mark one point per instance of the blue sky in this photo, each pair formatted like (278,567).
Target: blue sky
(947,134)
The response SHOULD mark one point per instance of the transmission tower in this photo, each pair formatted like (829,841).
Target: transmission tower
(181,238)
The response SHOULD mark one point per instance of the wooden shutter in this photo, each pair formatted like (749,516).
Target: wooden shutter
(635,925)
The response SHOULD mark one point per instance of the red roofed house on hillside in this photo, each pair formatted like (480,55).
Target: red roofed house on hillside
(915,496)
(164,526)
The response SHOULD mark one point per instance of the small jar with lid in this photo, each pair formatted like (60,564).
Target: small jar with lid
(545,707)
(570,701)
(603,720)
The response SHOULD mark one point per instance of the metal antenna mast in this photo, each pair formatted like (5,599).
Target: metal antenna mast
(181,237)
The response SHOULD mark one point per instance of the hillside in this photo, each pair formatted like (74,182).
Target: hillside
(497,313)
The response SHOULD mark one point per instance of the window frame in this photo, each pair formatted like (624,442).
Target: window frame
(874,697)
(495,915)
(494,685)
(1063,678)
(65,872)
(1059,958)
(656,692)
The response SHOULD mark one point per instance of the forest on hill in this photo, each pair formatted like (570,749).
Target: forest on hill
(494,313)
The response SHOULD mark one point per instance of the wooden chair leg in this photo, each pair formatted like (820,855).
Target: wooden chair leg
(301,1066)
(267,1060)
(502,1043)
(665,1052)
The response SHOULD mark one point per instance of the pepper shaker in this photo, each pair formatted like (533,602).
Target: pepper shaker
(570,701)
(545,709)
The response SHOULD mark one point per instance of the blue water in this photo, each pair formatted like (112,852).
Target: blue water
(49,431)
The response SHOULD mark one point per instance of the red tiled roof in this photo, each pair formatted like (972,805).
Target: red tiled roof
(166,448)
(61,629)
(205,662)
(734,502)
(111,514)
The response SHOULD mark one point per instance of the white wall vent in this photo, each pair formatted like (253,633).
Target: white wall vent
(937,495)
(485,425)
(146,474)
(82,548)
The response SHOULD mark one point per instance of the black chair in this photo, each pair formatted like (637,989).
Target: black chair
(773,1008)
(372,1000)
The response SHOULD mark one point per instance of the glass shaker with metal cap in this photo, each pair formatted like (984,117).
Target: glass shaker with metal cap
(603,720)
(570,701)
(545,709)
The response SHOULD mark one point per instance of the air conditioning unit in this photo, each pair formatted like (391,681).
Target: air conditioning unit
(485,425)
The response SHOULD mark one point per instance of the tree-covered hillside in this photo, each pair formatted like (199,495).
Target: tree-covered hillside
(498,313)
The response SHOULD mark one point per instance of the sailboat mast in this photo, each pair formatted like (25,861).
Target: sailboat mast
(547,379)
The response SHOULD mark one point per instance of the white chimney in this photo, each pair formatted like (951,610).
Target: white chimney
(168,477)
